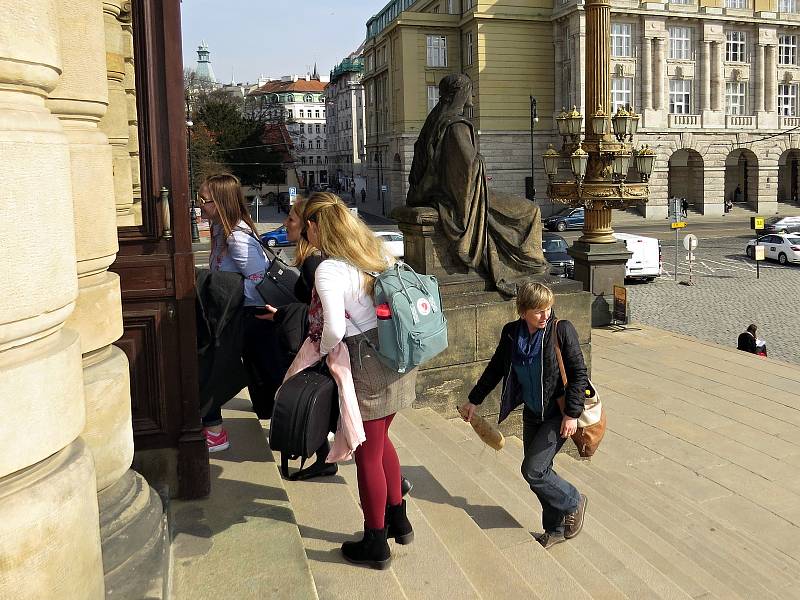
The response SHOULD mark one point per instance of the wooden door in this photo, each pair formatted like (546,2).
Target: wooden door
(156,269)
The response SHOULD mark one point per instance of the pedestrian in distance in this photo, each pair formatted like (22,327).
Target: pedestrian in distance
(344,286)
(525,360)
(363,195)
(235,248)
(685,208)
(749,342)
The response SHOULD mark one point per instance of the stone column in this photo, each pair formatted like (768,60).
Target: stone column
(647,73)
(717,80)
(115,122)
(658,80)
(598,58)
(705,96)
(49,532)
(770,79)
(759,79)
(558,45)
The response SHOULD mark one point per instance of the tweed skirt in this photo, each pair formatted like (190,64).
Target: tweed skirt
(380,390)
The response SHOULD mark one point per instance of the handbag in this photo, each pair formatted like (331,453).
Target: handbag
(277,287)
(592,421)
(306,409)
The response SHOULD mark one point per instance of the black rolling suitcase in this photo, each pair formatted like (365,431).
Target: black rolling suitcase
(306,409)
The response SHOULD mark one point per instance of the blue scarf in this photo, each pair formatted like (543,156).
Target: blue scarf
(528,345)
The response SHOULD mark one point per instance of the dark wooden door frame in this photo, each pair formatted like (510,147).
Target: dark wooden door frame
(156,266)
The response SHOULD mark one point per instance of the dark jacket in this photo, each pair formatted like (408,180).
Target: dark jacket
(220,336)
(292,319)
(499,367)
(747,342)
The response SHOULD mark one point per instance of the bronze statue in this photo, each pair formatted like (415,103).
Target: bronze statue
(495,233)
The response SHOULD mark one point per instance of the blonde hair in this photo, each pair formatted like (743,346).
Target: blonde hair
(534,296)
(341,235)
(302,248)
(225,191)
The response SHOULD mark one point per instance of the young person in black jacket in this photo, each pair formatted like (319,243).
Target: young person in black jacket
(525,360)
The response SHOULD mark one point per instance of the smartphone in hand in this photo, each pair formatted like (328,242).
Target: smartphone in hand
(266,313)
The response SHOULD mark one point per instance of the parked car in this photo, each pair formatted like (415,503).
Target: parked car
(393,240)
(571,218)
(781,224)
(645,261)
(276,237)
(555,252)
(783,247)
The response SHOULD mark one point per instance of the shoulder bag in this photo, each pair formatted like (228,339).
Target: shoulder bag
(592,422)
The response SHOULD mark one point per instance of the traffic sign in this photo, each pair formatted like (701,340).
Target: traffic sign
(678,225)
(384,188)
(690,242)
(757,223)
(759,254)
(292,192)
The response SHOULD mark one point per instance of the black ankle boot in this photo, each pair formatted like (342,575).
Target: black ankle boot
(405,485)
(372,550)
(397,524)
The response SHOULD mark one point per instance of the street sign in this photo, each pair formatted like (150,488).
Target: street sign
(384,188)
(292,191)
(759,255)
(690,242)
(757,223)
(690,257)
(678,225)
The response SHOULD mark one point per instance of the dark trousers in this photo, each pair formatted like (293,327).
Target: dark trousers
(265,363)
(542,442)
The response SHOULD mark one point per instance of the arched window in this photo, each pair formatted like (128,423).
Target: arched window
(273,99)
(290,98)
(308,98)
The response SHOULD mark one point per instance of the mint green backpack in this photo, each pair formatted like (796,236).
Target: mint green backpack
(412,328)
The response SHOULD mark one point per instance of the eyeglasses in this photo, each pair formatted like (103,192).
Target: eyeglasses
(201,201)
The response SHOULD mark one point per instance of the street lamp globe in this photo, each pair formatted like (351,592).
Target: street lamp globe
(551,157)
(620,166)
(620,123)
(561,123)
(574,121)
(600,122)
(645,159)
(578,161)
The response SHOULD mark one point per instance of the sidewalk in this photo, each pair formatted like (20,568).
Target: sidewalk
(737,215)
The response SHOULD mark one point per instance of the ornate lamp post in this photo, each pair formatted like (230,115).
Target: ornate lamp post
(600,164)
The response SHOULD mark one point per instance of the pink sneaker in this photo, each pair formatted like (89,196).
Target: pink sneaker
(215,442)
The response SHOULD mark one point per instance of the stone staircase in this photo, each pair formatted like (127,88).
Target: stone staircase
(695,494)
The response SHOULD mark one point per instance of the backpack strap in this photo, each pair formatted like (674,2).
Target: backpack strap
(562,399)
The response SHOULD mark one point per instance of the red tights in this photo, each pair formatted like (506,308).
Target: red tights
(378,471)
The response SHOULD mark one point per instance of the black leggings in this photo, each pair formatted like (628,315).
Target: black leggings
(265,364)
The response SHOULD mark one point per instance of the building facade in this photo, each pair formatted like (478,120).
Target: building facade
(347,125)
(301,104)
(715,83)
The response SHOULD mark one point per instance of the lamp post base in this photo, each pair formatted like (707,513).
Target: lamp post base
(599,267)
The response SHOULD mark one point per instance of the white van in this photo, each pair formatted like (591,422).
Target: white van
(645,263)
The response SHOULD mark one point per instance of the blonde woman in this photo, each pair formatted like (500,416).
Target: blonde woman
(344,289)
(235,248)
(526,362)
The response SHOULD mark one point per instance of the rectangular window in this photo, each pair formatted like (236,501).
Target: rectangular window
(680,43)
(735,46)
(621,39)
(468,48)
(302,128)
(437,50)
(787,6)
(787,99)
(317,128)
(787,49)
(289,114)
(734,97)
(301,113)
(735,3)
(433,96)
(621,92)
(680,1)
(316,114)
(680,96)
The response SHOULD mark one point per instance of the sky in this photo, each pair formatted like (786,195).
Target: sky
(248,38)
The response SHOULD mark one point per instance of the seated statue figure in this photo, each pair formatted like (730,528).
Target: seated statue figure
(497,234)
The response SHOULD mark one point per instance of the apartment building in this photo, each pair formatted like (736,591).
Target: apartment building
(715,83)
(347,125)
(300,103)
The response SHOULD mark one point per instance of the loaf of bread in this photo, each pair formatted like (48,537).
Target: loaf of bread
(488,433)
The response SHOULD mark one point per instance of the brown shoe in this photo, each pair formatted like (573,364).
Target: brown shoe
(549,539)
(573,522)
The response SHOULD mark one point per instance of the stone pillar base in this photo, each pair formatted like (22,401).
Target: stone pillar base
(134,538)
(600,267)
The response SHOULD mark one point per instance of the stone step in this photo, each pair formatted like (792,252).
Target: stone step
(242,541)
(722,552)
(628,574)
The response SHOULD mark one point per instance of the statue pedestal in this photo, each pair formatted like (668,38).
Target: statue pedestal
(600,267)
(476,313)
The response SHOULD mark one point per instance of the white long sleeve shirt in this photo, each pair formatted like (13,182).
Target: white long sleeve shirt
(340,289)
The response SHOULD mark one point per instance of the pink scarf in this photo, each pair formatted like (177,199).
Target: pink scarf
(350,428)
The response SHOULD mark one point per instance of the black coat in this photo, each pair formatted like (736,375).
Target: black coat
(292,319)
(220,336)
(499,367)
(747,342)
